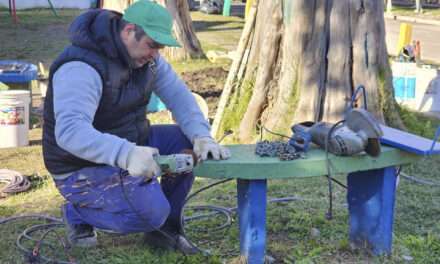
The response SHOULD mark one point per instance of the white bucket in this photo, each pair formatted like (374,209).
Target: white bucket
(14,118)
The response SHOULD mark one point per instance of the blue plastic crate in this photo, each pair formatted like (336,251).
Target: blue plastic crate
(404,87)
(26,72)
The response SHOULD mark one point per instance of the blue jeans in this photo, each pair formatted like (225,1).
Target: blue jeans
(98,195)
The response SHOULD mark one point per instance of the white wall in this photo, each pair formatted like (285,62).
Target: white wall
(23,4)
(427,90)
(431,98)
(118,6)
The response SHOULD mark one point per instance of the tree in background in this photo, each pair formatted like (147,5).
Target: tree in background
(184,32)
(389,4)
(183,28)
(301,60)
(418,6)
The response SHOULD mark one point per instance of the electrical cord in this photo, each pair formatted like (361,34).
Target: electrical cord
(34,256)
(420,181)
(15,182)
(227,212)
(329,214)
(415,179)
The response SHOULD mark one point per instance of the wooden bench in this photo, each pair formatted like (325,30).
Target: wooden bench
(371,184)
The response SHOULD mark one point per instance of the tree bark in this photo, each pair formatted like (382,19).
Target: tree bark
(306,60)
(236,69)
(418,6)
(265,72)
(389,6)
(184,32)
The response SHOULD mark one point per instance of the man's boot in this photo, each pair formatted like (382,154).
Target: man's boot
(170,239)
(80,235)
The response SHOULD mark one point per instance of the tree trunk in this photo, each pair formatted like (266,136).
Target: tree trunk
(389,6)
(184,32)
(265,72)
(418,6)
(305,62)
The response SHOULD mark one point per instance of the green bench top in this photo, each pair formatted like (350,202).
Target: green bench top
(244,164)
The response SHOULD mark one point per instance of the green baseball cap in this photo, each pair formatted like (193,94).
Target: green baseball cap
(154,19)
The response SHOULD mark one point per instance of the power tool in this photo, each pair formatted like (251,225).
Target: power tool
(301,137)
(358,132)
(176,163)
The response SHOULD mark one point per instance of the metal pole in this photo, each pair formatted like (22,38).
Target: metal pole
(227,8)
(53,8)
(248,7)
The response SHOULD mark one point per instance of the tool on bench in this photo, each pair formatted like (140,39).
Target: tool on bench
(360,131)
(301,137)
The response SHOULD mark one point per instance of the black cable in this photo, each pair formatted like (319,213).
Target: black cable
(34,255)
(36,249)
(329,214)
(218,210)
(354,96)
(18,217)
(274,133)
(206,188)
(339,183)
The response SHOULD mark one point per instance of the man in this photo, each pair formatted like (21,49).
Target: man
(97,142)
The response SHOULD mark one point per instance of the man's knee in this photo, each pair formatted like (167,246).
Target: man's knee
(140,220)
(158,215)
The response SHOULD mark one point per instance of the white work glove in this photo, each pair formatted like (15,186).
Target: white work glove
(206,145)
(140,162)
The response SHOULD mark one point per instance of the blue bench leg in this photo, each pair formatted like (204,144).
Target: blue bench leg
(371,196)
(252,219)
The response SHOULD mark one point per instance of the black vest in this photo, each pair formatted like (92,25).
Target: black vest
(121,111)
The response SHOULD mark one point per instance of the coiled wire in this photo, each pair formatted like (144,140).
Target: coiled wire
(15,182)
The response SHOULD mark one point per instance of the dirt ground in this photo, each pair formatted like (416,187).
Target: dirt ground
(208,83)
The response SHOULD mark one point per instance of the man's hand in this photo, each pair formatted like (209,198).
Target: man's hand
(140,162)
(207,145)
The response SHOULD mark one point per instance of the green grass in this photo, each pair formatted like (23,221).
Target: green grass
(290,225)
(39,35)
(427,13)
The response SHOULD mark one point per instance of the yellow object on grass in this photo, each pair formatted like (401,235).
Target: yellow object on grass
(248,7)
(3,87)
(404,36)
